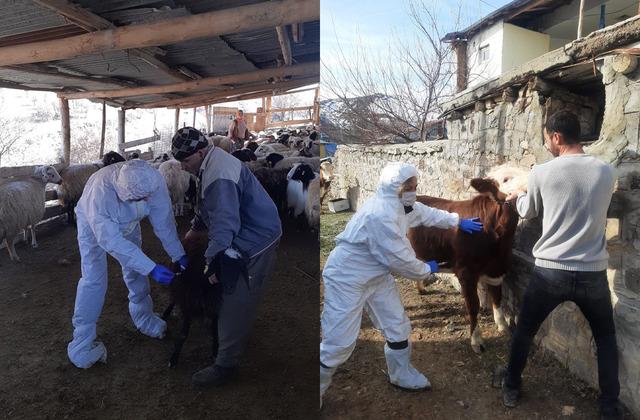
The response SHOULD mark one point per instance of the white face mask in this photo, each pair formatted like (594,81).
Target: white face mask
(408,198)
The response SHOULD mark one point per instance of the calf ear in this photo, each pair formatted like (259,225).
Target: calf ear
(488,186)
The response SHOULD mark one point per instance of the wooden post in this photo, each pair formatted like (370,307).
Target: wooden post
(207,112)
(461,58)
(121,120)
(580,16)
(285,44)
(176,121)
(104,121)
(316,108)
(268,118)
(195,109)
(66,131)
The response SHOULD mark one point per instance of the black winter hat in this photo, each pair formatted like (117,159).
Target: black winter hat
(186,142)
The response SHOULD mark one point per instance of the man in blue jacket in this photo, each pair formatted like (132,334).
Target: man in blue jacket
(243,230)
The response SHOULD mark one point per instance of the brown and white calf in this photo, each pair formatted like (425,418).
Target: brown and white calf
(481,257)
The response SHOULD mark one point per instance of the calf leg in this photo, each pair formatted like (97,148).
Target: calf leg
(469,286)
(214,337)
(184,333)
(167,312)
(496,299)
(34,242)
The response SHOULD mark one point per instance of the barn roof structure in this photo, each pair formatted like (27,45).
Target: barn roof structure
(156,53)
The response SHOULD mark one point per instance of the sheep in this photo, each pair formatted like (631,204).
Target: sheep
(177,181)
(273,158)
(265,149)
(252,145)
(112,157)
(195,296)
(22,205)
(312,204)
(74,178)
(257,164)
(510,178)
(291,161)
(244,155)
(223,142)
(274,181)
(298,180)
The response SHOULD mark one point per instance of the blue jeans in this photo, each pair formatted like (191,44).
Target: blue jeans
(590,291)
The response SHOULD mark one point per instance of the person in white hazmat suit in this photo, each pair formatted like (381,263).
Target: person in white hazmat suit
(357,275)
(114,201)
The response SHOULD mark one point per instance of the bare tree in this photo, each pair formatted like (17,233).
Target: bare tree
(397,97)
(12,134)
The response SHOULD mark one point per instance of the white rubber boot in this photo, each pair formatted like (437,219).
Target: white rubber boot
(401,373)
(325,380)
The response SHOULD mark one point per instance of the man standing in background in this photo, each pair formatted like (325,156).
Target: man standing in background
(238,131)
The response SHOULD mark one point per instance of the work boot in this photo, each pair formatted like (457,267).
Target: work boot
(213,375)
(401,373)
(326,373)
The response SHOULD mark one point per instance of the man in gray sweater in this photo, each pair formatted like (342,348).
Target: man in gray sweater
(570,257)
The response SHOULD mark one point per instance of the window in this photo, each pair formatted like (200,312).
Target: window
(483,53)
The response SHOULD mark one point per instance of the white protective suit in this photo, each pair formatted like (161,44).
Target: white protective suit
(108,221)
(357,275)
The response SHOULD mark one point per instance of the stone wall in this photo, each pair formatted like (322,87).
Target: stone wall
(510,130)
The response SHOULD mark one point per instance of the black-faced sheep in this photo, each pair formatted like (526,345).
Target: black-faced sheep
(273,159)
(22,205)
(252,145)
(112,157)
(74,178)
(244,155)
(298,180)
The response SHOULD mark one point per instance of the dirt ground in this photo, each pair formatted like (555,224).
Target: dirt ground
(460,378)
(278,377)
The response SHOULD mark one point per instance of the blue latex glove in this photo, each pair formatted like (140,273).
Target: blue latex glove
(162,274)
(184,262)
(433,266)
(470,225)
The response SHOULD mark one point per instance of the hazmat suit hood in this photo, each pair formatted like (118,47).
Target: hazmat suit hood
(392,177)
(135,180)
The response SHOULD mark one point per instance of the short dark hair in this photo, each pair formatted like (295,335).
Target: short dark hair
(565,123)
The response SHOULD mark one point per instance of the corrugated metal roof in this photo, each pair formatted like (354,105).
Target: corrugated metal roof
(218,56)
(21,16)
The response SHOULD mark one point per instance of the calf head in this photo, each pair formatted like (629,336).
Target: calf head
(504,218)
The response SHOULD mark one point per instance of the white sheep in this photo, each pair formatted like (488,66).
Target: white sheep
(74,178)
(265,149)
(22,205)
(223,142)
(177,181)
(510,178)
(312,204)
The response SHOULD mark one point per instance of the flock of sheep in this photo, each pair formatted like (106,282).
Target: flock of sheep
(286,163)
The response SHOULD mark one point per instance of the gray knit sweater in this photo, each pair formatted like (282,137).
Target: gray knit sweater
(575,191)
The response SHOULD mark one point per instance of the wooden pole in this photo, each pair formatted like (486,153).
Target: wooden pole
(233,20)
(104,124)
(66,130)
(202,98)
(207,112)
(580,16)
(268,110)
(195,109)
(285,44)
(121,128)
(307,69)
(176,120)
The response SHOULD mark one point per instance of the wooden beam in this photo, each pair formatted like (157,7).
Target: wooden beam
(195,109)
(104,125)
(133,143)
(289,122)
(92,22)
(580,18)
(253,95)
(308,69)
(201,99)
(293,109)
(297,32)
(285,45)
(525,8)
(204,25)
(66,130)
(121,126)
(176,120)
(80,78)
